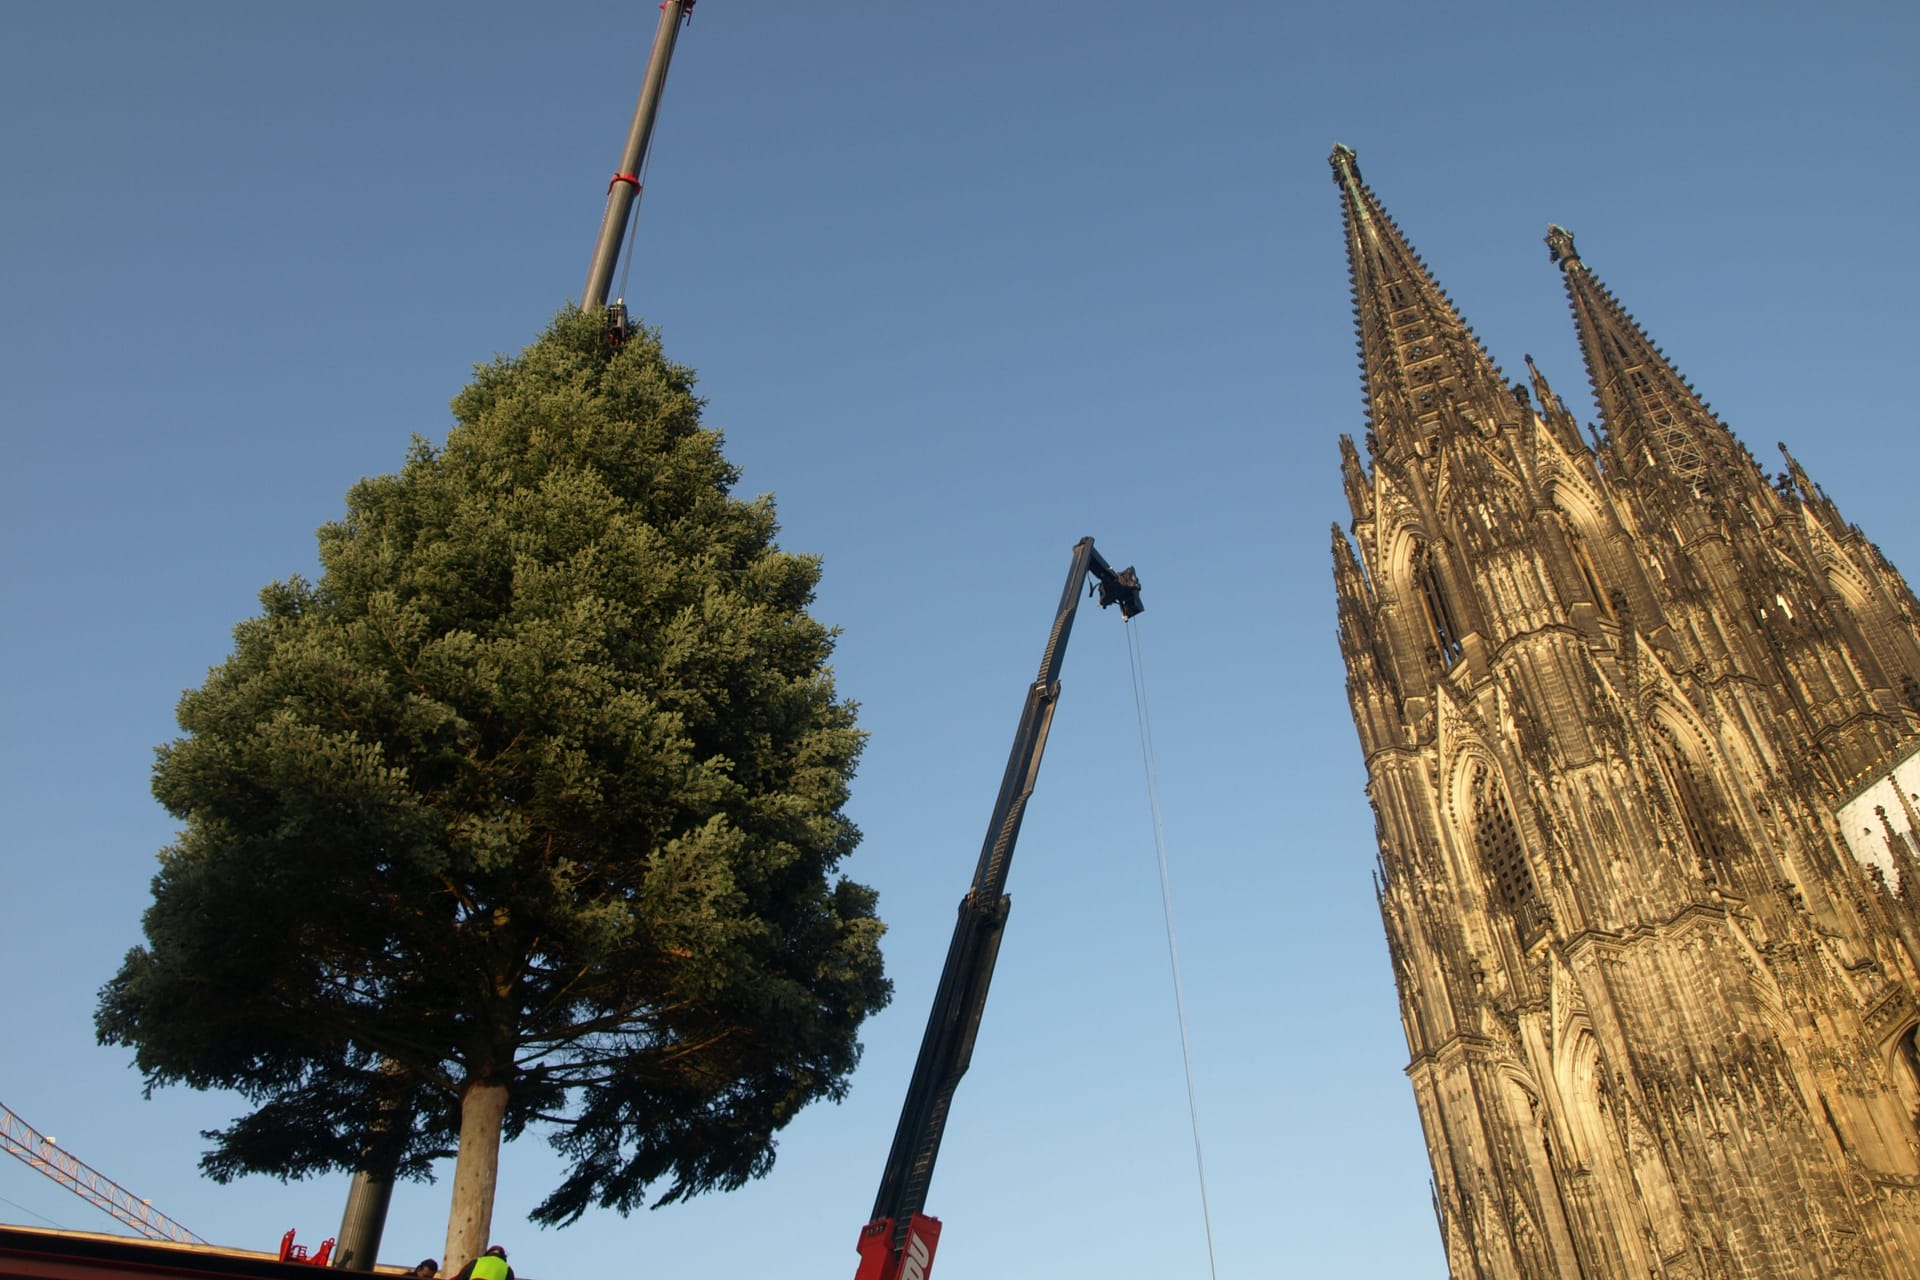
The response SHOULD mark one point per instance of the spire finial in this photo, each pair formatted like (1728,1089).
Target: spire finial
(1346,164)
(1560,246)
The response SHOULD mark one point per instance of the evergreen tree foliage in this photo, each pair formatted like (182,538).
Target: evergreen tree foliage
(539,786)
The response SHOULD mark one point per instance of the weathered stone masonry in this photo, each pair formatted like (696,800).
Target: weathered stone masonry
(1616,698)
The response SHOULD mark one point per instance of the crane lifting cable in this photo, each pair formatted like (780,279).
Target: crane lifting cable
(37,1151)
(1152,768)
(619,306)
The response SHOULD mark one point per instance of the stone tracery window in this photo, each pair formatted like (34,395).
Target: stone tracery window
(1496,839)
(1907,1072)
(1698,810)
(1442,630)
(1583,560)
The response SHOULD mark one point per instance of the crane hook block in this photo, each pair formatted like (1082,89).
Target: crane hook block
(1123,589)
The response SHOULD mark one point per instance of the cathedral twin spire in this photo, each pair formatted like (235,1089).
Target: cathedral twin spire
(1423,365)
(1625,711)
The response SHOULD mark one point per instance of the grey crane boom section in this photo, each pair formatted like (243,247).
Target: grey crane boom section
(624,189)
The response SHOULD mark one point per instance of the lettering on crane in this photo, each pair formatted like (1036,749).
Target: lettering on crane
(918,1259)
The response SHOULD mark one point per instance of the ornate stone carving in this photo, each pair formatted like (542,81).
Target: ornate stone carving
(1672,756)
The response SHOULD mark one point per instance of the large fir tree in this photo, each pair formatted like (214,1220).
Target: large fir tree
(528,811)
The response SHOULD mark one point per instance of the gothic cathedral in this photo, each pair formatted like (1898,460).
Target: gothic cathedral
(1642,739)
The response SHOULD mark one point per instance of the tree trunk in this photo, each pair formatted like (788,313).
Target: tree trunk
(482,1107)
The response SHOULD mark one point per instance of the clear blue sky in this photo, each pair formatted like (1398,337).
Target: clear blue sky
(964,282)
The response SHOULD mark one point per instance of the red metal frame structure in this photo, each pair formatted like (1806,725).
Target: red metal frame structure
(291,1252)
(37,1151)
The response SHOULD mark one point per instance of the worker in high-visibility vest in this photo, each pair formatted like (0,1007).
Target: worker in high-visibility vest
(491,1265)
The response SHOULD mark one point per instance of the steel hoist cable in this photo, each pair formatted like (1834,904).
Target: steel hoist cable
(1166,907)
(633,223)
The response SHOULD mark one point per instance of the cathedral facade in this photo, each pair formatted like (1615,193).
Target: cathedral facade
(1640,726)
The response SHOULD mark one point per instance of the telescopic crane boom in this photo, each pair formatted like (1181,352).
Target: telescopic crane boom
(899,1242)
(624,187)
